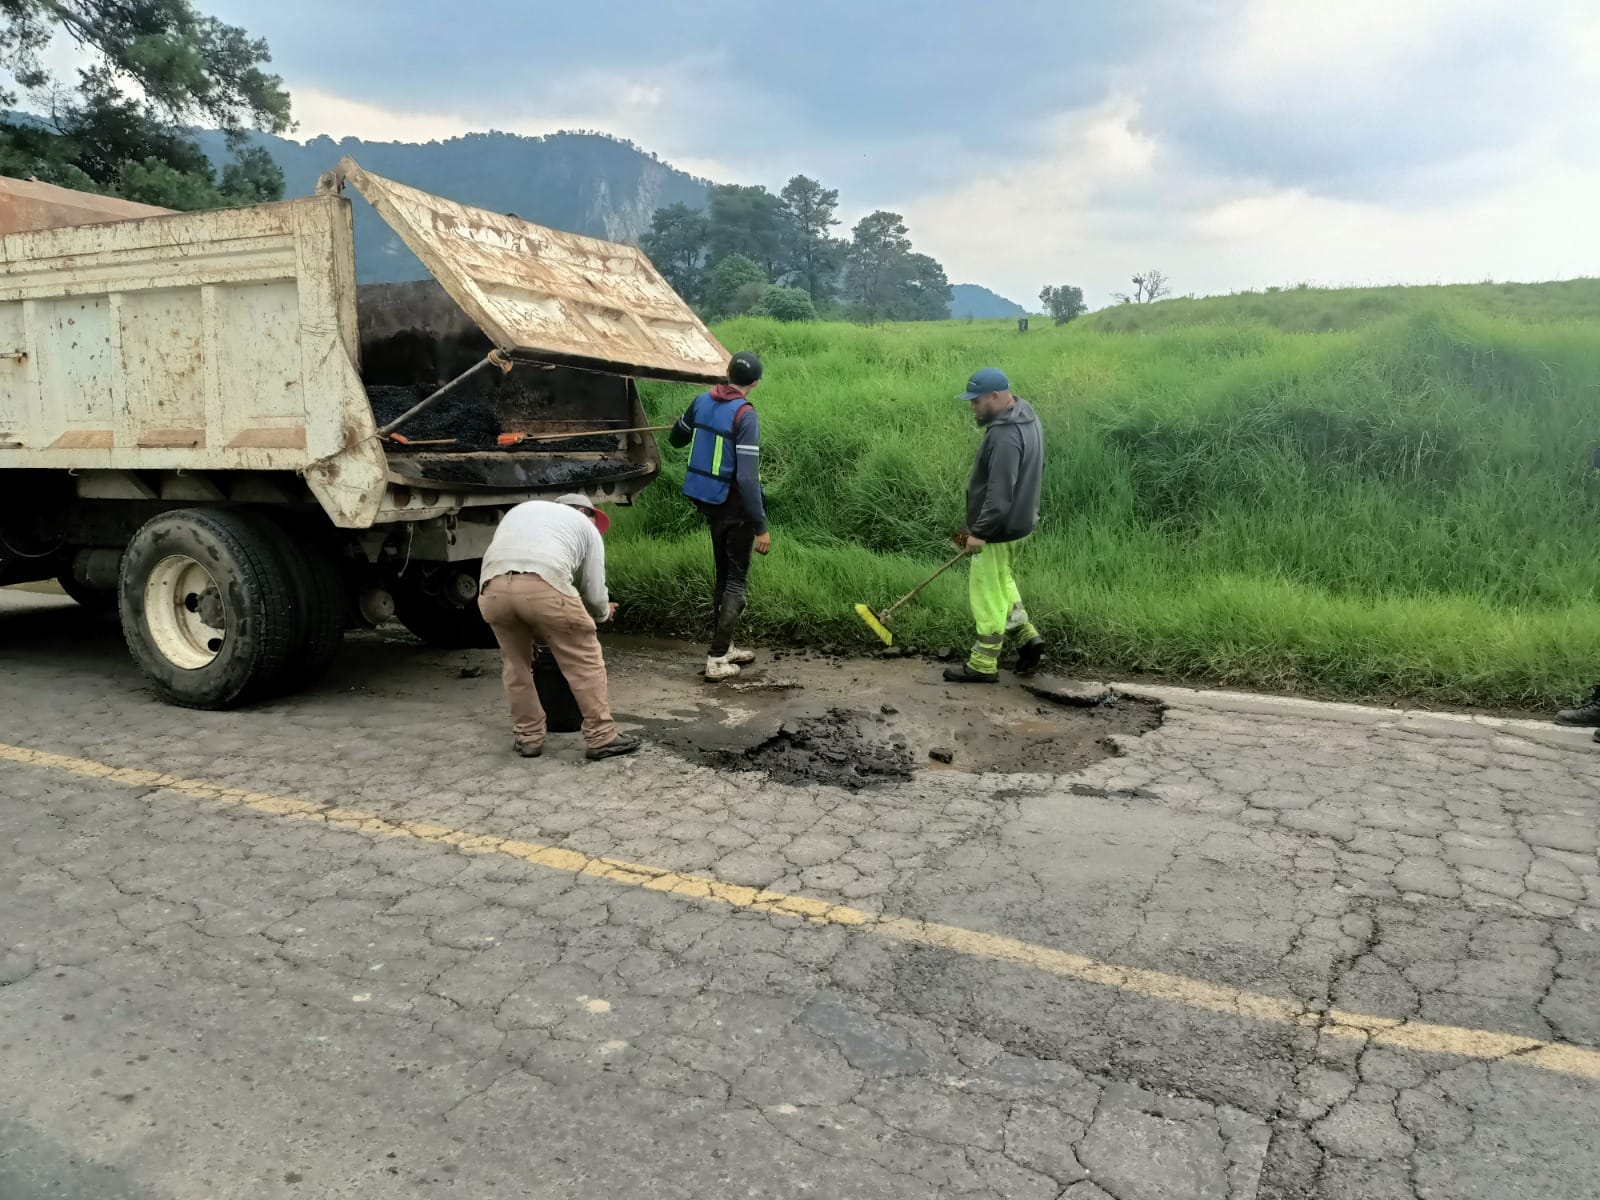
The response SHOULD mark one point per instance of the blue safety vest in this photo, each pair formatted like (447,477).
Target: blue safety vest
(711,453)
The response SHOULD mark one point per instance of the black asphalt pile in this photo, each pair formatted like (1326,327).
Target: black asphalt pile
(842,749)
(456,415)
(473,416)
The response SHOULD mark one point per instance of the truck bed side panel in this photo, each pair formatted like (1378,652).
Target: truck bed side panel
(222,340)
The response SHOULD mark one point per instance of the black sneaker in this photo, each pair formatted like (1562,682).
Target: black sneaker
(1584,714)
(965,674)
(622,744)
(1028,656)
(527,750)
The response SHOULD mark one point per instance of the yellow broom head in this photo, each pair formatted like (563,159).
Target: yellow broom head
(877,626)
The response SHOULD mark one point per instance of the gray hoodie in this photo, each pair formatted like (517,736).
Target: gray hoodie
(1003,493)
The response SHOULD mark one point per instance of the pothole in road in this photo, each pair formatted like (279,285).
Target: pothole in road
(851,749)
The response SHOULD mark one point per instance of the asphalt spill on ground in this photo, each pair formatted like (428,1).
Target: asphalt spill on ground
(841,749)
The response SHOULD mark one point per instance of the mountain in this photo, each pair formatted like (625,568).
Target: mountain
(580,182)
(971,300)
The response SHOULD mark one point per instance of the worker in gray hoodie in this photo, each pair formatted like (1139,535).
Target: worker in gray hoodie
(1002,510)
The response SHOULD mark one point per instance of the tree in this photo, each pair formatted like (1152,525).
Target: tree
(156,68)
(736,283)
(1064,303)
(785,304)
(875,264)
(676,244)
(750,221)
(924,292)
(1151,285)
(814,253)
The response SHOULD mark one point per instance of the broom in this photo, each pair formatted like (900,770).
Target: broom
(878,622)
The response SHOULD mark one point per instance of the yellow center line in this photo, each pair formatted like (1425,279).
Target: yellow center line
(1481,1044)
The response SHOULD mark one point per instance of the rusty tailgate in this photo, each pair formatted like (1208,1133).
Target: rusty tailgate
(545,296)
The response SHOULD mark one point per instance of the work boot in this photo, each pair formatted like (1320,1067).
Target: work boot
(527,749)
(1029,654)
(720,668)
(740,657)
(1587,713)
(965,674)
(623,743)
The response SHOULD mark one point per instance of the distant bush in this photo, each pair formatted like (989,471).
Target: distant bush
(736,283)
(785,304)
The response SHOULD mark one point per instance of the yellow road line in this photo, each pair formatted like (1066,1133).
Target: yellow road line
(1479,1044)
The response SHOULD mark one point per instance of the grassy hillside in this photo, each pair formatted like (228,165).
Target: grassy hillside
(1305,309)
(1402,508)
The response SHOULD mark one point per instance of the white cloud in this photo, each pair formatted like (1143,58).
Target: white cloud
(1300,50)
(638,109)
(1109,193)
(319,112)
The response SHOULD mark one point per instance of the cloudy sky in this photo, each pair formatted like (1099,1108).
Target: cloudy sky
(1232,143)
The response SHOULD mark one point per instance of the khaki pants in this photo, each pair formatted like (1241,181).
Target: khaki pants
(524,610)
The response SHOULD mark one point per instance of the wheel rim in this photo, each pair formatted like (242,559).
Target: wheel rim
(184,611)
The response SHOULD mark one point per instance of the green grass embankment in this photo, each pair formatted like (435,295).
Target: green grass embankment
(1402,508)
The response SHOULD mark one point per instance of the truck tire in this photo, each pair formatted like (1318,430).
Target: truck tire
(94,600)
(206,607)
(317,598)
(424,605)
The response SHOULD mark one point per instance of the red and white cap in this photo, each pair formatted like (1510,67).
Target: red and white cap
(579,501)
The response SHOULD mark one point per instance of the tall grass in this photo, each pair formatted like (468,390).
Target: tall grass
(1401,508)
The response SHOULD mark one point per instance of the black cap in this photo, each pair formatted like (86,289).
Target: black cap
(744,369)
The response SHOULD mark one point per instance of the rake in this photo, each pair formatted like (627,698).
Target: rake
(878,622)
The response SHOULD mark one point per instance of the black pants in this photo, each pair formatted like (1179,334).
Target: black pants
(733,540)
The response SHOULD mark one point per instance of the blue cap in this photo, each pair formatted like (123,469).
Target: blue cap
(989,379)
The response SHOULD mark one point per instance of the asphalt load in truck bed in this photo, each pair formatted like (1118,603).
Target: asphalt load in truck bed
(471,416)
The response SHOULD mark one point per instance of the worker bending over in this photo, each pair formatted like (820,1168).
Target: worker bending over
(544,583)
(1002,510)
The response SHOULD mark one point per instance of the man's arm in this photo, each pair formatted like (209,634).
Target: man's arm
(1005,463)
(592,576)
(683,431)
(747,468)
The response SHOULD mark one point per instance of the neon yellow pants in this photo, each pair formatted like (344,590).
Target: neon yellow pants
(996,605)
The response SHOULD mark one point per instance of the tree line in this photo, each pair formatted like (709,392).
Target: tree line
(154,67)
(750,251)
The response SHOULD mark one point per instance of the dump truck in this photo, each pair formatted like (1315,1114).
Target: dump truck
(206,424)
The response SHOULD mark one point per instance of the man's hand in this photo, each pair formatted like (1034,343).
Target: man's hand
(763,543)
(974,545)
(611,614)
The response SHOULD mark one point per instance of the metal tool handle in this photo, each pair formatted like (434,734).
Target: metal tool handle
(587,433)
(886,612)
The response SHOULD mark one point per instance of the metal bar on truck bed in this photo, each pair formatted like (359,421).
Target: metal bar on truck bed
(493,358)
(517,439)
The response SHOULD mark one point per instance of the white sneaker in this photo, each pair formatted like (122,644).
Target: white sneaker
(720,668)
(740,657)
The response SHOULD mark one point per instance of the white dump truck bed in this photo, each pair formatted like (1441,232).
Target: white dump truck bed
(229,341)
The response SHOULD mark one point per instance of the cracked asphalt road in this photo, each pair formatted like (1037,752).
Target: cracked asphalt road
(215,994)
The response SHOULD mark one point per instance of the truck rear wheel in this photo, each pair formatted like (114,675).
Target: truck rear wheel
(317,597)
(206,607)
(441,607)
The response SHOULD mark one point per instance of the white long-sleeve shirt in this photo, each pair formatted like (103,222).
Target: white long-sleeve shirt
(557,543)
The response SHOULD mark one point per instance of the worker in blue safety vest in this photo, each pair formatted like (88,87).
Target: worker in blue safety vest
(724,482)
